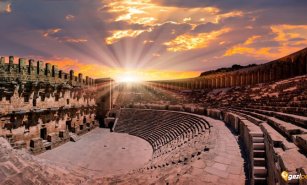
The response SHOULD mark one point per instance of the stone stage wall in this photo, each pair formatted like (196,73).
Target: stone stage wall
(40,104)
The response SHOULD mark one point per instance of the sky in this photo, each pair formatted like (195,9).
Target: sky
(151,39)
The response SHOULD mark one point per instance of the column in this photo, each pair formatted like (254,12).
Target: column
(21,65)
(40,68)
(71,75)
(11,63)
(31,67)
(60,74)
(80,76)
(238,79)
(54,71)
(48,69)
(2,61)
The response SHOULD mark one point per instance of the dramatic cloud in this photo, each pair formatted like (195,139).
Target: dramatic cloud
(290,38)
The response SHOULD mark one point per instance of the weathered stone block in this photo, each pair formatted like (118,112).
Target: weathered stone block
(64,135)
(36,142)
(2,61)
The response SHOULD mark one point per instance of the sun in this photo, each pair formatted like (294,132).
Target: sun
(128,77)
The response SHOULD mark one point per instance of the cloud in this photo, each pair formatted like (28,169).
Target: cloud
(5,7)
(188,41)
(75,40)
(51,31)
(119,34)
(69,17)
(151,15)
(290,38)
(208,27)
(234,4)
(55,33)
(146,12)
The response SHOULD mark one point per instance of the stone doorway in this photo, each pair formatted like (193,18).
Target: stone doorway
(43,133)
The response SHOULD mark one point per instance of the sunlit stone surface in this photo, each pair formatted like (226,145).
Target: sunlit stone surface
(102,152)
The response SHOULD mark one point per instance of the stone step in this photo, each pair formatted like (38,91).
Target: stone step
(258,139)
(258,146)
(259,171)
(259,180)
(259,161)
(74,137)
(259,153)
(256,134)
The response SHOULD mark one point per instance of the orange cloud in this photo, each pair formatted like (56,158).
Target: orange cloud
(286,32)
(118,34)
(284,35)
(248,50)
(188,41)
(75,40)
(51,31)
(251,39)
(149,14)
(5,7)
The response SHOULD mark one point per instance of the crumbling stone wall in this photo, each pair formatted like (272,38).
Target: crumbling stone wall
(43,103)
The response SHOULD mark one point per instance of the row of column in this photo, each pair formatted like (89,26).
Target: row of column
(261,74)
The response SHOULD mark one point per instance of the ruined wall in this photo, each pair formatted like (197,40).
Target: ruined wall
(286,67)
(38,101)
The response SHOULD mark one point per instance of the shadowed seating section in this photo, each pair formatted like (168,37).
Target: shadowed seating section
(160,127)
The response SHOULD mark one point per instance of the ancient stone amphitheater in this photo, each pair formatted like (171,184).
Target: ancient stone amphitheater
(243,126)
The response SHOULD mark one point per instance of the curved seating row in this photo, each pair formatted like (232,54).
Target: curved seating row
(274,145)
(160,127)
